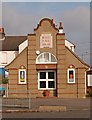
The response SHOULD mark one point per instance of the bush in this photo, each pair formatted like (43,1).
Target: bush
(4,80)
(89,94)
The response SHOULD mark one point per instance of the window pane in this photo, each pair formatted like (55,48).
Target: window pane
(42,84)
(40,59)
(22,76)
(71,76)
(50,75)
(51,84)
(53,58)
(46,57)
(42,75)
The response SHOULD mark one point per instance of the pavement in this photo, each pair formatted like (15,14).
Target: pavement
(45,105)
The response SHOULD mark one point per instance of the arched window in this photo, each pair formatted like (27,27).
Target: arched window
(46,58)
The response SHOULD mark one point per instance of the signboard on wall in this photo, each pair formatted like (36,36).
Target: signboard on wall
(89,80)
(46,41)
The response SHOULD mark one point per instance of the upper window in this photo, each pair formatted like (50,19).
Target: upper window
(46,58)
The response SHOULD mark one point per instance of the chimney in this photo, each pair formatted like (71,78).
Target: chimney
(2,34)
(53,22)
(60,28)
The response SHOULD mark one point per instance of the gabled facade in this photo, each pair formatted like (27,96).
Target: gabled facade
(47,67)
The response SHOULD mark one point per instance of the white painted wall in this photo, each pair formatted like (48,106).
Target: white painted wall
(7,56)
(22,46)
(61,31)
(69,45)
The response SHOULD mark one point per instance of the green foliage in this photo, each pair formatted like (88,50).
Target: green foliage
(89,95)
(4,80)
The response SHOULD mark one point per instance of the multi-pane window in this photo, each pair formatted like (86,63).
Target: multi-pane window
(22,76)
(46,58)
(71,75)
(46,80)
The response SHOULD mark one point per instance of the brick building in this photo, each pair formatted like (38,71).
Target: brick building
(47,67)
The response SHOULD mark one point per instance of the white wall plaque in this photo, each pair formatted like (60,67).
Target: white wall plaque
(46,41)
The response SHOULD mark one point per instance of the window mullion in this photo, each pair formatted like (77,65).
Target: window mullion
(46,80)
(49,57)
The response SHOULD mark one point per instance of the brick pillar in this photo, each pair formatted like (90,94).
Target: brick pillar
(61,68)
(32,73)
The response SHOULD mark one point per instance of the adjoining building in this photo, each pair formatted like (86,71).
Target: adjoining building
(8,51)
(9,48)
(47,66)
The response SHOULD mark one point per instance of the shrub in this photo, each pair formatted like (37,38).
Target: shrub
(4,80)
(89,94)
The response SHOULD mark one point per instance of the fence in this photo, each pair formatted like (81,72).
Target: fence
(30,103)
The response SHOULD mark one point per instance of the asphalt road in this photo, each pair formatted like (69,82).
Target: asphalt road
(61,114)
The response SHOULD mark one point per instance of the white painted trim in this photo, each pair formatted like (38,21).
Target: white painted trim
(22,46)
(68,74)
(19,82)
(46,80)
(49,62)
(70,45)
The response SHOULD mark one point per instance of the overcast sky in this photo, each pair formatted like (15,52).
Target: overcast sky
(20,18)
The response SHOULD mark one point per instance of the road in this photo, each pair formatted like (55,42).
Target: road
(61,114)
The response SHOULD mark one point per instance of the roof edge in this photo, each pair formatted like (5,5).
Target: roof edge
(51,22)
(78,57)
(6,67)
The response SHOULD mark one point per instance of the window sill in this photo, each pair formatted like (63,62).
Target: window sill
(46,89)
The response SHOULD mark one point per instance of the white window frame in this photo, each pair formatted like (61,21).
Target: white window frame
(19,80)
(71,69)
(49,62)
(47,80)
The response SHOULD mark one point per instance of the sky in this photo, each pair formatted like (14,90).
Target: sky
(20,18)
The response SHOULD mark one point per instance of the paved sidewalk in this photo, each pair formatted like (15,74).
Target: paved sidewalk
(46,104)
